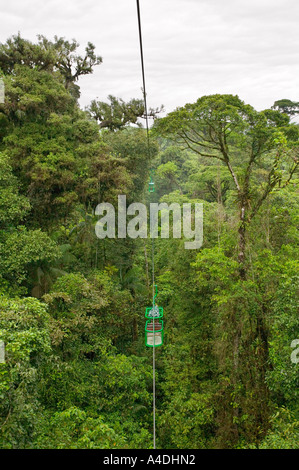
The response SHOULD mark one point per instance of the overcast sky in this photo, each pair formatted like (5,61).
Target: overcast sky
(191,47)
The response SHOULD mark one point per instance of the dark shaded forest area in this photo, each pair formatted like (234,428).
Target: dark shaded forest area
(77,373)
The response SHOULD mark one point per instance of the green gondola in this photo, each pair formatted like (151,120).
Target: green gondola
(151,187)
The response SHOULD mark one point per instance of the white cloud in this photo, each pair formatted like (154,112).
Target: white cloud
(191,47)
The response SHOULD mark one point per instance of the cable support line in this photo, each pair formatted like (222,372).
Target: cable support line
(143,72)
(154,358)
(153,251)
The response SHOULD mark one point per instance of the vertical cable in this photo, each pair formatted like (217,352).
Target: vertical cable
(142,69)
(154,359)
(153,265)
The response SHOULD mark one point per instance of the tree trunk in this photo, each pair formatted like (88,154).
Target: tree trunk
(242,242)
(135,329)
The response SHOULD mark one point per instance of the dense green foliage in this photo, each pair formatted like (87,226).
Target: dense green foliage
(77,373)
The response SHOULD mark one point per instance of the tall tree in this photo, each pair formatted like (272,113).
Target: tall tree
(58,55)
(223,127)
(260,152)
(287,106)
(116,114)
